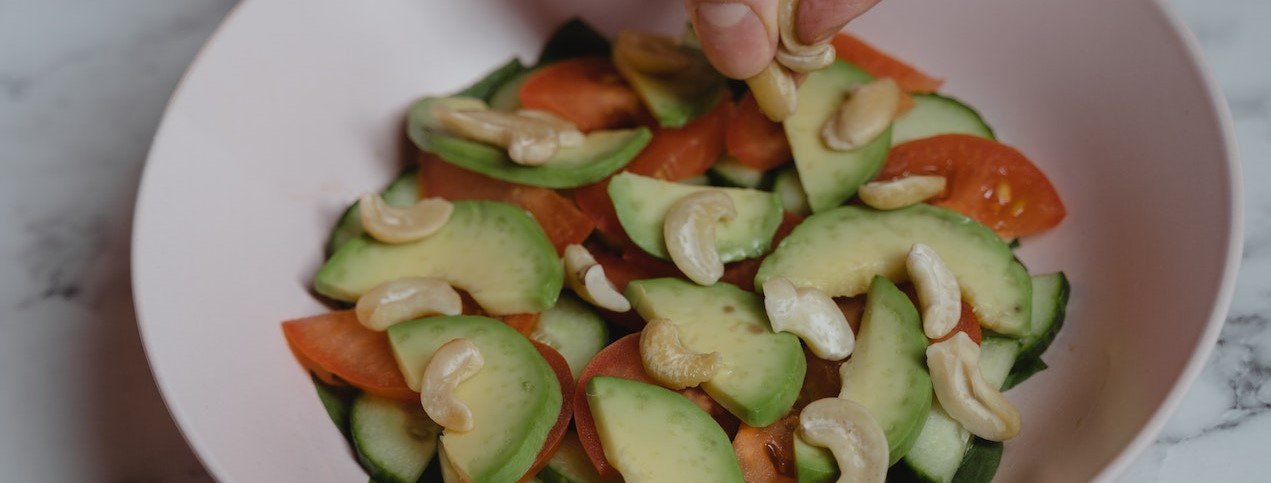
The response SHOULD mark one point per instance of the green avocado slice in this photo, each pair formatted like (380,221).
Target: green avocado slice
(601,154)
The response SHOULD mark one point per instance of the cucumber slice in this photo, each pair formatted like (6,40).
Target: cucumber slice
(569,464)
(980,463)
(395,441)
(489,84)
(507,97)
(934,114)
(336,400)
(403,191)
(790,189)
(937,455)
(730,173)
(1050,302)
(574,330)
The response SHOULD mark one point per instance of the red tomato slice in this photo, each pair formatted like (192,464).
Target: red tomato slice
(523,323)
(557,433)
(563,222)
(622,359)
(753,139)
(879,64)
(988,181)
(337,344)
(594,202)
(588,92)
(767,454)
(677,153)
(821,381)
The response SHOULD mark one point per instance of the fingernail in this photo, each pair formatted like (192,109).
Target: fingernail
(819,20)
(734,38)
(723,15)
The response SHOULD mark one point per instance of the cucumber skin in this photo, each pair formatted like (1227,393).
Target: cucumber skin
(1030,362)
(980,463)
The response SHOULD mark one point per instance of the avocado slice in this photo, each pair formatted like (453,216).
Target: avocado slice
(601,154)
(515,398)
(831,177)
(652,434)
(840,250)
(762,371)
(813,464)
(642,203)
(678,97)
(569,464)
(888,372)
(494,251)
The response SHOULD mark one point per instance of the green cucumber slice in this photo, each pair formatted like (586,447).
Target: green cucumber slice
(934,114)
(395,440)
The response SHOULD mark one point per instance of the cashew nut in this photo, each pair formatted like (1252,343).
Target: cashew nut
(587,279)
(851,434)
(650,53)
(530,140)
(900,192)
(863,116)
(689,231)
(392,224)
(569,135)
(965,395)
(792,52)
(670,363)
(810,314)
(406,299)
(775,91)
(454,362)
(938,291)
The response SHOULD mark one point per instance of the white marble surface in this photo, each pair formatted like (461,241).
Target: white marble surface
(82,86)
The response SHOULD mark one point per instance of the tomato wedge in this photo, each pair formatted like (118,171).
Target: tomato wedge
(879,64)
(593,200)
(337,344)
(622,359)
(753,139)
(563,222)
(767,454)
(557,433)
(678,153)
(587,91)
(988,181)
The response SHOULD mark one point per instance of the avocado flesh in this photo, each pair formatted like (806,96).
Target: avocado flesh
(841,250)
(515,397)
(678,97)
(830,177)
(601,154)
(494,251)
(887,374)
(652,434)
(761,371)
(813,464)
(642,204)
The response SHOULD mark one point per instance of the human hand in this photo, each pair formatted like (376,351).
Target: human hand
(740,36)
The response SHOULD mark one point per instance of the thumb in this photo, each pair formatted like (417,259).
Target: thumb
(738,36)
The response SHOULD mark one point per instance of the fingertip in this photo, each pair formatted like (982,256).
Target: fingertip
(734,36)
(819,20)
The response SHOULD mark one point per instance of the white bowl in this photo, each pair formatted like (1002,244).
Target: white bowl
(293,109)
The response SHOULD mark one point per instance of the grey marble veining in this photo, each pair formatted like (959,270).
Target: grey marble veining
(82,86)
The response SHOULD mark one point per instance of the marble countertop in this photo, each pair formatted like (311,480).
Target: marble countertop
(83,84)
